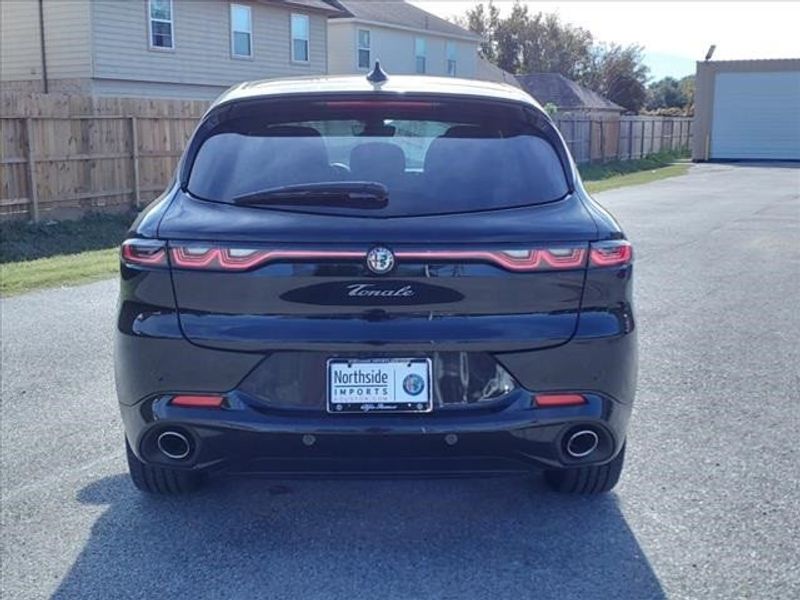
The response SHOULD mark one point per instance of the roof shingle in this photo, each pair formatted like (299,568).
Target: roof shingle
(564,93)
(402,14)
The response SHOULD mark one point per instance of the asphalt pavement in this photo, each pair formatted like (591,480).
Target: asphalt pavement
(708,506)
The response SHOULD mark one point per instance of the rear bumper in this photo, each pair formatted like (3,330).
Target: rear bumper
(509,436)
(505,435)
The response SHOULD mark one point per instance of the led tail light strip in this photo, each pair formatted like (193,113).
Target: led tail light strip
(232,259)
(512,260)
(153,253)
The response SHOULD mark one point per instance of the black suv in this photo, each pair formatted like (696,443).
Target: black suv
(372,275)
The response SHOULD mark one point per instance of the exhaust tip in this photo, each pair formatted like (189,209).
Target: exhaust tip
(582,443)
(174,445)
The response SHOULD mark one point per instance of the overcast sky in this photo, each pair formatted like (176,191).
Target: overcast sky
(674,34)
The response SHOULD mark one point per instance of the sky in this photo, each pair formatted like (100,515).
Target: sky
(674,34)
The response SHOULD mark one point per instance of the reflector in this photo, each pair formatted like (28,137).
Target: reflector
(198,401)
(543,400)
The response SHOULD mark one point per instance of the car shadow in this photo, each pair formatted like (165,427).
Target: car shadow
(407,538)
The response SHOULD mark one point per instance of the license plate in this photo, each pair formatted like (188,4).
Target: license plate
(379,385)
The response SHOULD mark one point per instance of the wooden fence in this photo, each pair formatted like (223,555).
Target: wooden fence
(626,138)
(64,156)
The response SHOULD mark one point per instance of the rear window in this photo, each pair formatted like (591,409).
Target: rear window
(433,157)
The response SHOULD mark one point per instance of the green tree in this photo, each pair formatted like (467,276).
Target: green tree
(526,43)
(619,74)
(665,93)
(483,20)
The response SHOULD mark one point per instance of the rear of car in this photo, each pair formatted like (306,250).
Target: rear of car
(392,278)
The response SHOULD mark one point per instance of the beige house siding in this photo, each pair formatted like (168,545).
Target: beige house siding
(67,42)
(201,65)
(705,80)
(395,49)
(342,48)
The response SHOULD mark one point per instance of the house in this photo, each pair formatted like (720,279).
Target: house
(406,40)
(569,97)
(159,48)
(488,71)
(747,110)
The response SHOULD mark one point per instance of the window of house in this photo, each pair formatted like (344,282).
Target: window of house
(241,31)
(300,38)
(160,20)
(451,59)
(363,49)
(420,51)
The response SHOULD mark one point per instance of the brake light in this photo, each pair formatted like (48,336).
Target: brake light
(204,257)
(512,260)
(241,259)
(149,253)
(550,400)
(198,401)
(611,253)
(380,104)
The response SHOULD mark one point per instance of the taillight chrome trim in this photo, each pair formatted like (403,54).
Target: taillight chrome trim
(144,252)
(611,253)
(206,257)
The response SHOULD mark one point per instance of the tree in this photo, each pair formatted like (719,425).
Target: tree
(483,20)
(670,93)
(665,93)
(526,43)
(619,74)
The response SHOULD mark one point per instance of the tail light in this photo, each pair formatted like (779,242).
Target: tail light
(148,253)
(203,257)
(242,259)
(539,259)
(611,253)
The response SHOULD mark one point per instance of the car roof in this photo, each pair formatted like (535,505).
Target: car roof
(395,84)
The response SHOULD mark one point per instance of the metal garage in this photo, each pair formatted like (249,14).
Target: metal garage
(747,110)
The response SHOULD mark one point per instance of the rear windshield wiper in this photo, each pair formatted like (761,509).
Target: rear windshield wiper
(344,194)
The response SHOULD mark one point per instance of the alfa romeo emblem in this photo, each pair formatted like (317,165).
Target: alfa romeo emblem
(413,384)
(380,260)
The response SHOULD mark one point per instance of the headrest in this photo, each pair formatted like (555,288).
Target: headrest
(377,158)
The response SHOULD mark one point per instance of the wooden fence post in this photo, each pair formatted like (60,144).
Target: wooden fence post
(602,141)
(135,157)
(641,151)
(31,164)
(630,140)
(652,137)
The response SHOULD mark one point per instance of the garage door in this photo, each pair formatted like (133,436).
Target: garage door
(756,116)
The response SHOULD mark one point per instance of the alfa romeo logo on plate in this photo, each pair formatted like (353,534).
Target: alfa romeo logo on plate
(413,384)
(380,260)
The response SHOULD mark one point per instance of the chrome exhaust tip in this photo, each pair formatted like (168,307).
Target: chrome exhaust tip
(582,443)
(174,445)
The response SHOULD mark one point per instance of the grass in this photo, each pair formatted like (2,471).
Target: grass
(638,178)
(606,176)
(67,269)
(59,252)
(71,252)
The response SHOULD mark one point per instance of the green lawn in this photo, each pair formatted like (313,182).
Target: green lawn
(67,269)
(637,178)
(72,252)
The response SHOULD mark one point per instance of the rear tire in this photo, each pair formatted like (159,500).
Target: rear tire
(160,480)
(594,479)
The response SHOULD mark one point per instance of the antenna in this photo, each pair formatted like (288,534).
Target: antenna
(710,52)
(377,75)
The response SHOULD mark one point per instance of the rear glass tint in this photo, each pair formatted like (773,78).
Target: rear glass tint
(433,157)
